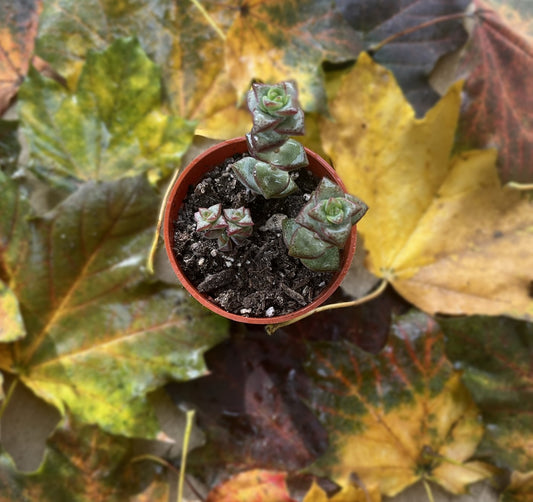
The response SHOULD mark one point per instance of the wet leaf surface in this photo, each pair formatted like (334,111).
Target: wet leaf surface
(257,485)
(112,126)
(412,56)
(17,36)
(395,418)
(496,357)
(434,222)
(89,309)
(82,464)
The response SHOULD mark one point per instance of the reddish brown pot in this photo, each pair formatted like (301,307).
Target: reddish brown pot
(192,174)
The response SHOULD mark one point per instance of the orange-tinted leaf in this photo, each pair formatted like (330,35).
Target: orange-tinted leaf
(257,486)
(499,104)
(496,357)
(395,418)
(288,39)
(82,464)
(18,29)
(100,335)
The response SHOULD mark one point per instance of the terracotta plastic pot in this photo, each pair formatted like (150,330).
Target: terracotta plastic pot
(192,174)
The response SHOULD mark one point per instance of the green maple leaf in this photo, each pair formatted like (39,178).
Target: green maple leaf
(111,126)
(99,333)
(175,35)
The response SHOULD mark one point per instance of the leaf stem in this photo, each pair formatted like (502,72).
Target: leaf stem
(209,19)
(272,328)
(407,31)
(519,186)
(155,240)
(428,490)
(184,449)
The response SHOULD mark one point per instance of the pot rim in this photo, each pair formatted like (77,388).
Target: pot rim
(209,158)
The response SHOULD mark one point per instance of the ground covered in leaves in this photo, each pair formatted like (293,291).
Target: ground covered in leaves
(423,108)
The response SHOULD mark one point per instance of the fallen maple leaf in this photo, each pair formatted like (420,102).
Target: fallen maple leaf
(250,406)
(431,30)
(111,127)
(90,310)
(443,232)
(175,35)
(349,493)
(257,485)
(82,464)
(17,35)
(499,105)
(288,39)
(398,417)
(496,357)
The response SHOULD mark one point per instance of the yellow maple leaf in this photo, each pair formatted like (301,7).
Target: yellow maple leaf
(443,231)
(349,493)
(399,417)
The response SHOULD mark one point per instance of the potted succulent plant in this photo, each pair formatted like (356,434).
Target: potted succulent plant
(260,229)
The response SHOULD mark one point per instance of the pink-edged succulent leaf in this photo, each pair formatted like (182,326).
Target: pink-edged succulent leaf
(240,224)
(278,100)
(306,245)
(276,115)
(211,221)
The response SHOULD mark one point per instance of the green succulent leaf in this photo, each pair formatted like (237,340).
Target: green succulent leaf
(331,215)
(111,126)
(90,310)
(305,244)
(263,179)
(291,155)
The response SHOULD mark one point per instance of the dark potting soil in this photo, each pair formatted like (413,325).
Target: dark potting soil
(257,278)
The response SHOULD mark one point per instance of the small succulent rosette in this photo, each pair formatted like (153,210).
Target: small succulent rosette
(323,226)
(227,226)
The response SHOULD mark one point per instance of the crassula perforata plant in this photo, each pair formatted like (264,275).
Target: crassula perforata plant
(225,225)
(323,226)
(276,116)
